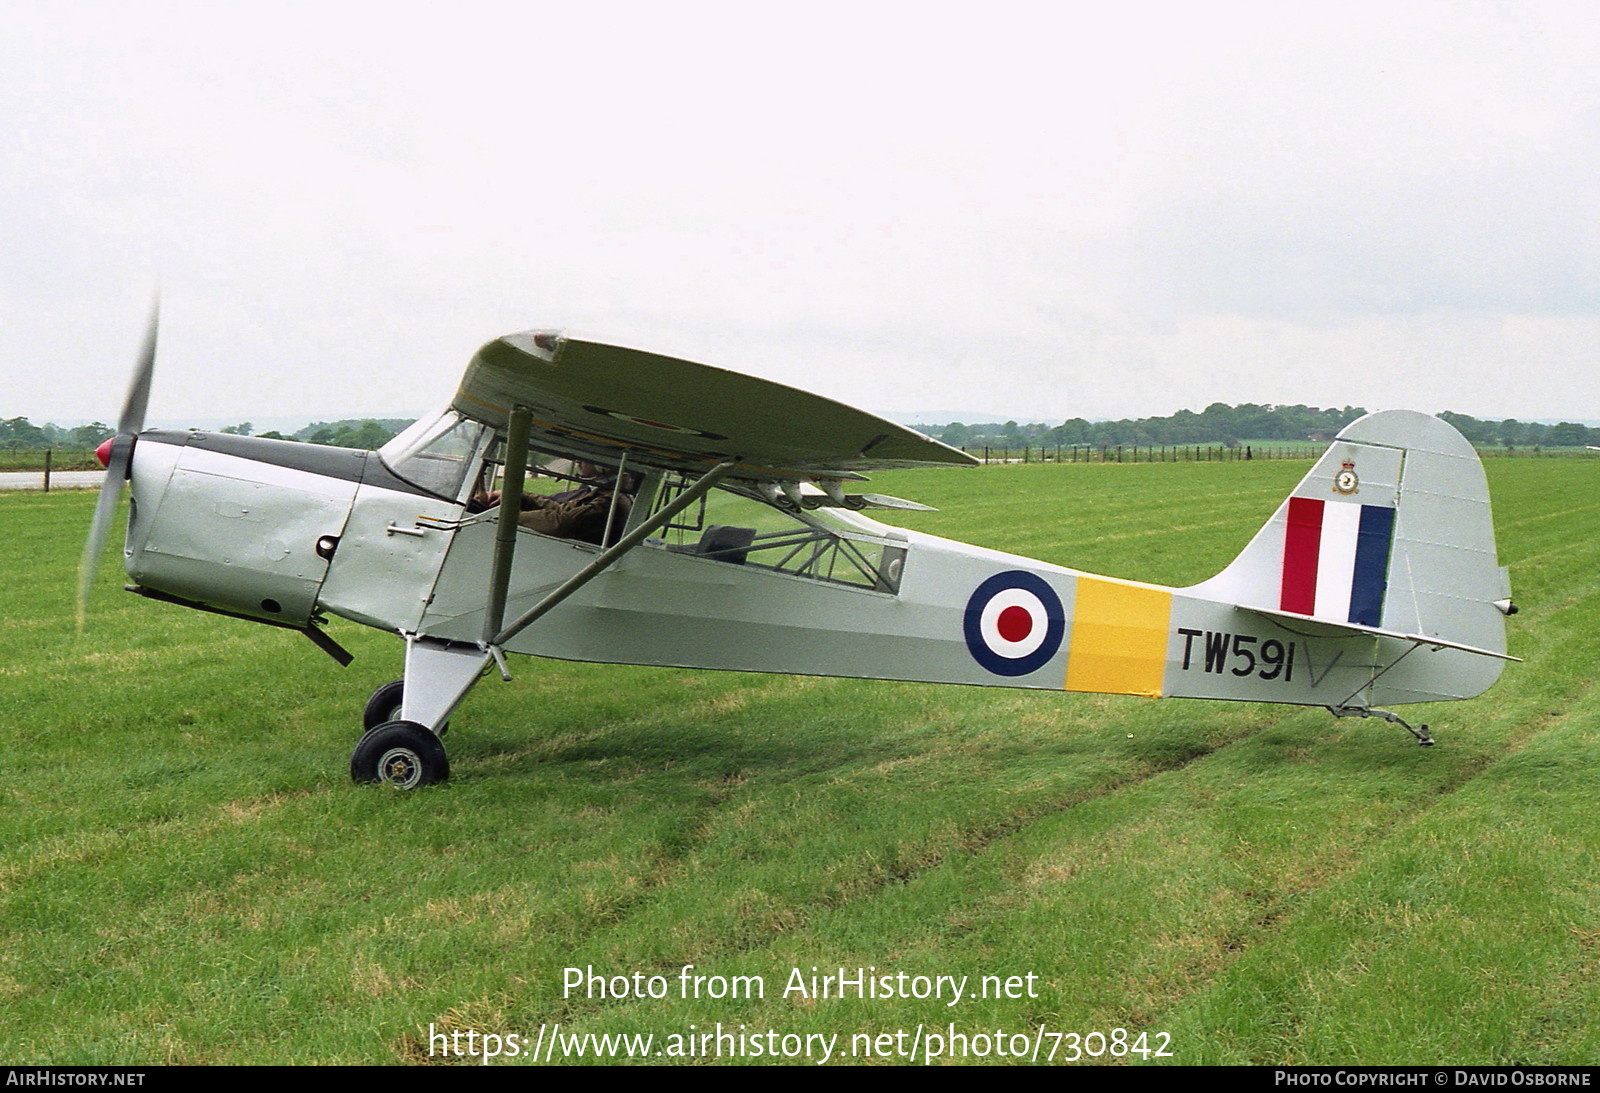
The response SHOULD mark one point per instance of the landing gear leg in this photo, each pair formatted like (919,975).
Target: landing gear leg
(405,719)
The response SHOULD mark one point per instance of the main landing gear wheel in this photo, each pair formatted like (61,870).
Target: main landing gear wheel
(400,754)
(384,706)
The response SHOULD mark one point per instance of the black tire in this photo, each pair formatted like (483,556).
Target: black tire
(400,754)
(384,706)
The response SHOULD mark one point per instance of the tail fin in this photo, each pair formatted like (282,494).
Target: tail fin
(1391,530)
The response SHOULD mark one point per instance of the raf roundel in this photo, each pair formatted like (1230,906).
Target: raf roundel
(1014,623)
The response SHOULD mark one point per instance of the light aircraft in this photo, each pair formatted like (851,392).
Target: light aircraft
(731,542)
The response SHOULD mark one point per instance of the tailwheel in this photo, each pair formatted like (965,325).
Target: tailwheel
(400,754)
(1424,738)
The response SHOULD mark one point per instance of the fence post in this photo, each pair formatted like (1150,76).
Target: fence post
(47,470)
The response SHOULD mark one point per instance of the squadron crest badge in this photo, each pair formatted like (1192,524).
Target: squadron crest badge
(1346,481)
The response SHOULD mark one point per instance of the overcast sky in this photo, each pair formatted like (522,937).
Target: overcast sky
(1040,210)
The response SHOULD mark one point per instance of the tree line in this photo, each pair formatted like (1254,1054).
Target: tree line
(19,433)
(1220,423)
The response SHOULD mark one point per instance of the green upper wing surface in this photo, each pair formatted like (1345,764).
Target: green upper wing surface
(590,398)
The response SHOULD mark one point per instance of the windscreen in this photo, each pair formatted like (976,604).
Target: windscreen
(436,453)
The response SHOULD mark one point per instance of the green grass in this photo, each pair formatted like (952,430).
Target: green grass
(186,874)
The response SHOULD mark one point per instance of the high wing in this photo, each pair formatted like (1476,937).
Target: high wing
(598,400)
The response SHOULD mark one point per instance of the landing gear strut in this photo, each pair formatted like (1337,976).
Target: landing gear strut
(404,719)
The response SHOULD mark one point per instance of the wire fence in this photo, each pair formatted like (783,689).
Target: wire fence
(1211,453)
(1139,453)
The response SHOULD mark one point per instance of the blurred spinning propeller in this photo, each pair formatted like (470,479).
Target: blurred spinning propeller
(116,455)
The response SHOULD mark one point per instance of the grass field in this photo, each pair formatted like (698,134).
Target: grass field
(187,875)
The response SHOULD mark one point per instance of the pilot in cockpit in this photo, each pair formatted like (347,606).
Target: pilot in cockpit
(585,512)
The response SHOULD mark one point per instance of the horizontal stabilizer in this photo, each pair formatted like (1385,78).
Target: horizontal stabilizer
(1322,627)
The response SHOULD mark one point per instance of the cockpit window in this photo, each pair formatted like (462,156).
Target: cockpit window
(820,544)
(436,453)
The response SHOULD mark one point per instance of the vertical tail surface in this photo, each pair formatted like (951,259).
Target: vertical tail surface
(1391,530)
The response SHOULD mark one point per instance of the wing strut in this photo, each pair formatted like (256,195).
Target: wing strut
(607,557)
(505,532)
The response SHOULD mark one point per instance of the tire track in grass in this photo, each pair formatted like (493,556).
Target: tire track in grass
(1523,705)
(1383,945)
(1138,934)
(691,882)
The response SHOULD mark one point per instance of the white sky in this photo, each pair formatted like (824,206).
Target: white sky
(1040,210)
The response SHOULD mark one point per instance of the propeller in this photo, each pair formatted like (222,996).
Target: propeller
(117,459)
